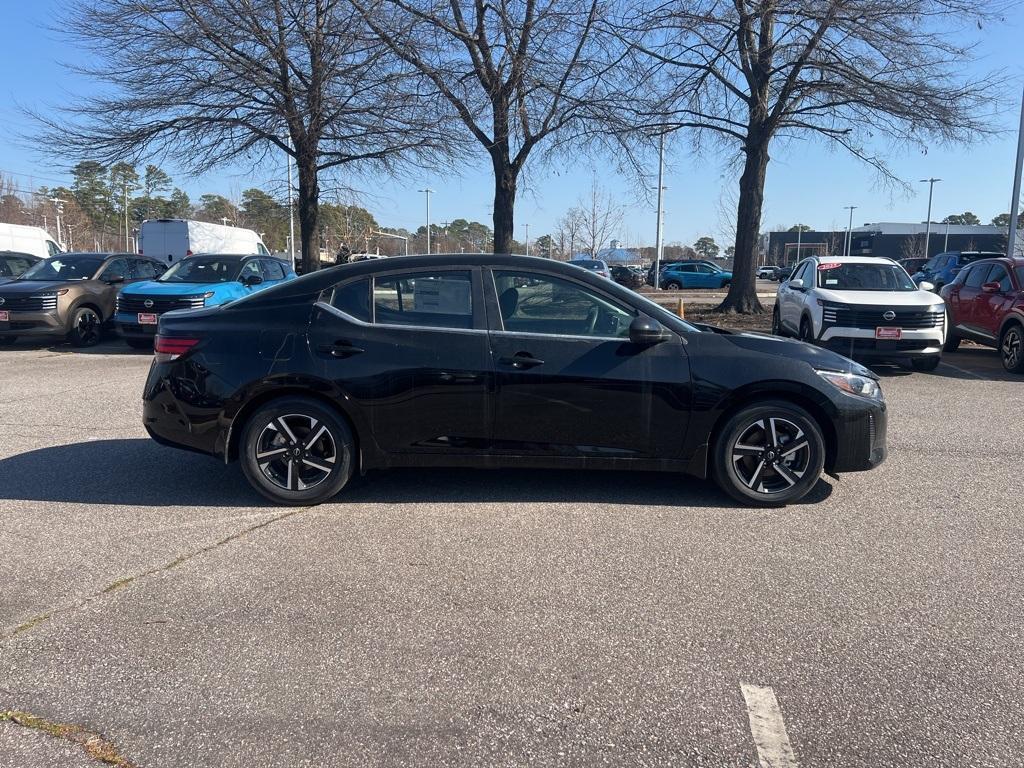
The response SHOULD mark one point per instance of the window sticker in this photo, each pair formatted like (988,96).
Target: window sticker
(829,265)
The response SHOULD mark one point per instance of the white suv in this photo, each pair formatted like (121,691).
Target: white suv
(864,307)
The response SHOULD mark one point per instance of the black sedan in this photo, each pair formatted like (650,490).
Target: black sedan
(499,361)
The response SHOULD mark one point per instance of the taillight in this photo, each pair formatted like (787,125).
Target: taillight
(168,348)
(188,252)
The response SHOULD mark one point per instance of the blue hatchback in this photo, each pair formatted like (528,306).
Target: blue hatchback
(192,283)
(694,275)
(943,268)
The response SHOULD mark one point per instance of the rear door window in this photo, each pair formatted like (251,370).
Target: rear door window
(977,276)
(353,299)
(442,299)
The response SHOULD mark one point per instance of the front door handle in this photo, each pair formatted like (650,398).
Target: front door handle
(340,349)
(521,360)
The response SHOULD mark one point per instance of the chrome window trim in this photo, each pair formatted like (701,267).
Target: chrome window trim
(356,321)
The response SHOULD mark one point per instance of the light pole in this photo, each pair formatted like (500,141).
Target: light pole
(125,215)
(58,207)
(928,223)
(659,238)
(1011,240)
(945,243)
(527,239)
(291,207)
(397,237)
(849,229)
(428,192)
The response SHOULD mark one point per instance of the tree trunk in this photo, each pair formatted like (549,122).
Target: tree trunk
(742,296)
(504,205)
(309,209)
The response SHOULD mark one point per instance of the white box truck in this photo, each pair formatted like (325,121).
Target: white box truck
(34,240)
(171,240)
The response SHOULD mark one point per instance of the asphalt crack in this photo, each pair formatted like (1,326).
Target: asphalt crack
(94,745)
(127,581)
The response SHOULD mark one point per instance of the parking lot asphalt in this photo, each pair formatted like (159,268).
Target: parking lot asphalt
(153,604)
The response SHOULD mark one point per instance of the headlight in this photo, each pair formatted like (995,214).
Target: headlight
(853,383)
(203,296)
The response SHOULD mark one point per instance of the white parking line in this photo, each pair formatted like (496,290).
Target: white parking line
(768,728)
(968,373)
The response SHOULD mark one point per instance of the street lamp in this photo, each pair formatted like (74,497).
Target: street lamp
(428,192)
(928,223)
(849,229)
(397,237)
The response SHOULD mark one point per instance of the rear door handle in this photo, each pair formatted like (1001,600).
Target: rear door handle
(340,349)
(521,360)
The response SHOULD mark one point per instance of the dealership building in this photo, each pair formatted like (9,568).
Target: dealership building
(893,240)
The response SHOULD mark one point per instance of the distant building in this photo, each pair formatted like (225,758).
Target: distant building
(615,254)
(894,240)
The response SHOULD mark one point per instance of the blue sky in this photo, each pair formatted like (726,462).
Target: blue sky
(806,182)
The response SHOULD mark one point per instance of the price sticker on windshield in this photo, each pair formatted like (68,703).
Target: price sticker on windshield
(829,265)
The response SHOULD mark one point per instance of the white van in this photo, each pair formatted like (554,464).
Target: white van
(171,240)
(34,240)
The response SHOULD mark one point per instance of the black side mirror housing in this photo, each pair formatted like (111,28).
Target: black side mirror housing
(252,280)
(647,331)
(114,280)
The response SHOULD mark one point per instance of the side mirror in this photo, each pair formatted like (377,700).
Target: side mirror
(645,330)
(990,287)
(114,279)
(251,280)
(796,285)
(924,285)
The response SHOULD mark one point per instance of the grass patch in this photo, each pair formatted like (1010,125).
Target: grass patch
(94,745)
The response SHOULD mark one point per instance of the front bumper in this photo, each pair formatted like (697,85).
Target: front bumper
(861,344)
(47,323)
(860,438)
(128,325)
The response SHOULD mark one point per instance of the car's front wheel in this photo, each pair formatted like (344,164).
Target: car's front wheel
(86,327)
(296,451)
(806,332)
(769,454)
(1011,349)
(777,322)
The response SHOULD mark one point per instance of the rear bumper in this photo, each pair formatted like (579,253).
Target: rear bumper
(34,324)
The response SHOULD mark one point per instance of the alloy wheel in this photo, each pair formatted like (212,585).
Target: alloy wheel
(296,452)
(1012,349)
(771,455)
(87,327)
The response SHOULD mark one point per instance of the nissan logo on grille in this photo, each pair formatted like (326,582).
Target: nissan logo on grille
(148,303)
(2,300)
(890,315)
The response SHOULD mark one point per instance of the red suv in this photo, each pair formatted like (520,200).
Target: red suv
(985,303)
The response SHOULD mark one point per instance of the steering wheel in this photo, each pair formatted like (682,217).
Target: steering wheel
(591,320)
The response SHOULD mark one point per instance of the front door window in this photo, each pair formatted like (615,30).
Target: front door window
(535,303)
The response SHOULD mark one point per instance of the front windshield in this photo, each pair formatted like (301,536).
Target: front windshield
(203,269)
(64,268)
(589,264)
(864,277)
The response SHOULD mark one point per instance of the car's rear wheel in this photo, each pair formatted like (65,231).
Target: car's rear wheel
(296,451)
(925,364)
(1011,349)
(769,454)
(672,285)
(139,343)
(86,327)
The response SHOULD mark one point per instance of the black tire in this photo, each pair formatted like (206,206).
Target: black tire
(726,285)
(7,341)
(1011,348)
(85,328)
(749,460)
(777,329)
(925,364)
(806,332)
(952,343)
(139,343)
(672,285)
(269,432)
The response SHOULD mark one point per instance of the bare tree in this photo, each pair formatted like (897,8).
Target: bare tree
(517,74)
(601,219)
(570,231)
(746,73)
(208,82)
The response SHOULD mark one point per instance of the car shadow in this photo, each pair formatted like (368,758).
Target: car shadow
(139,472)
